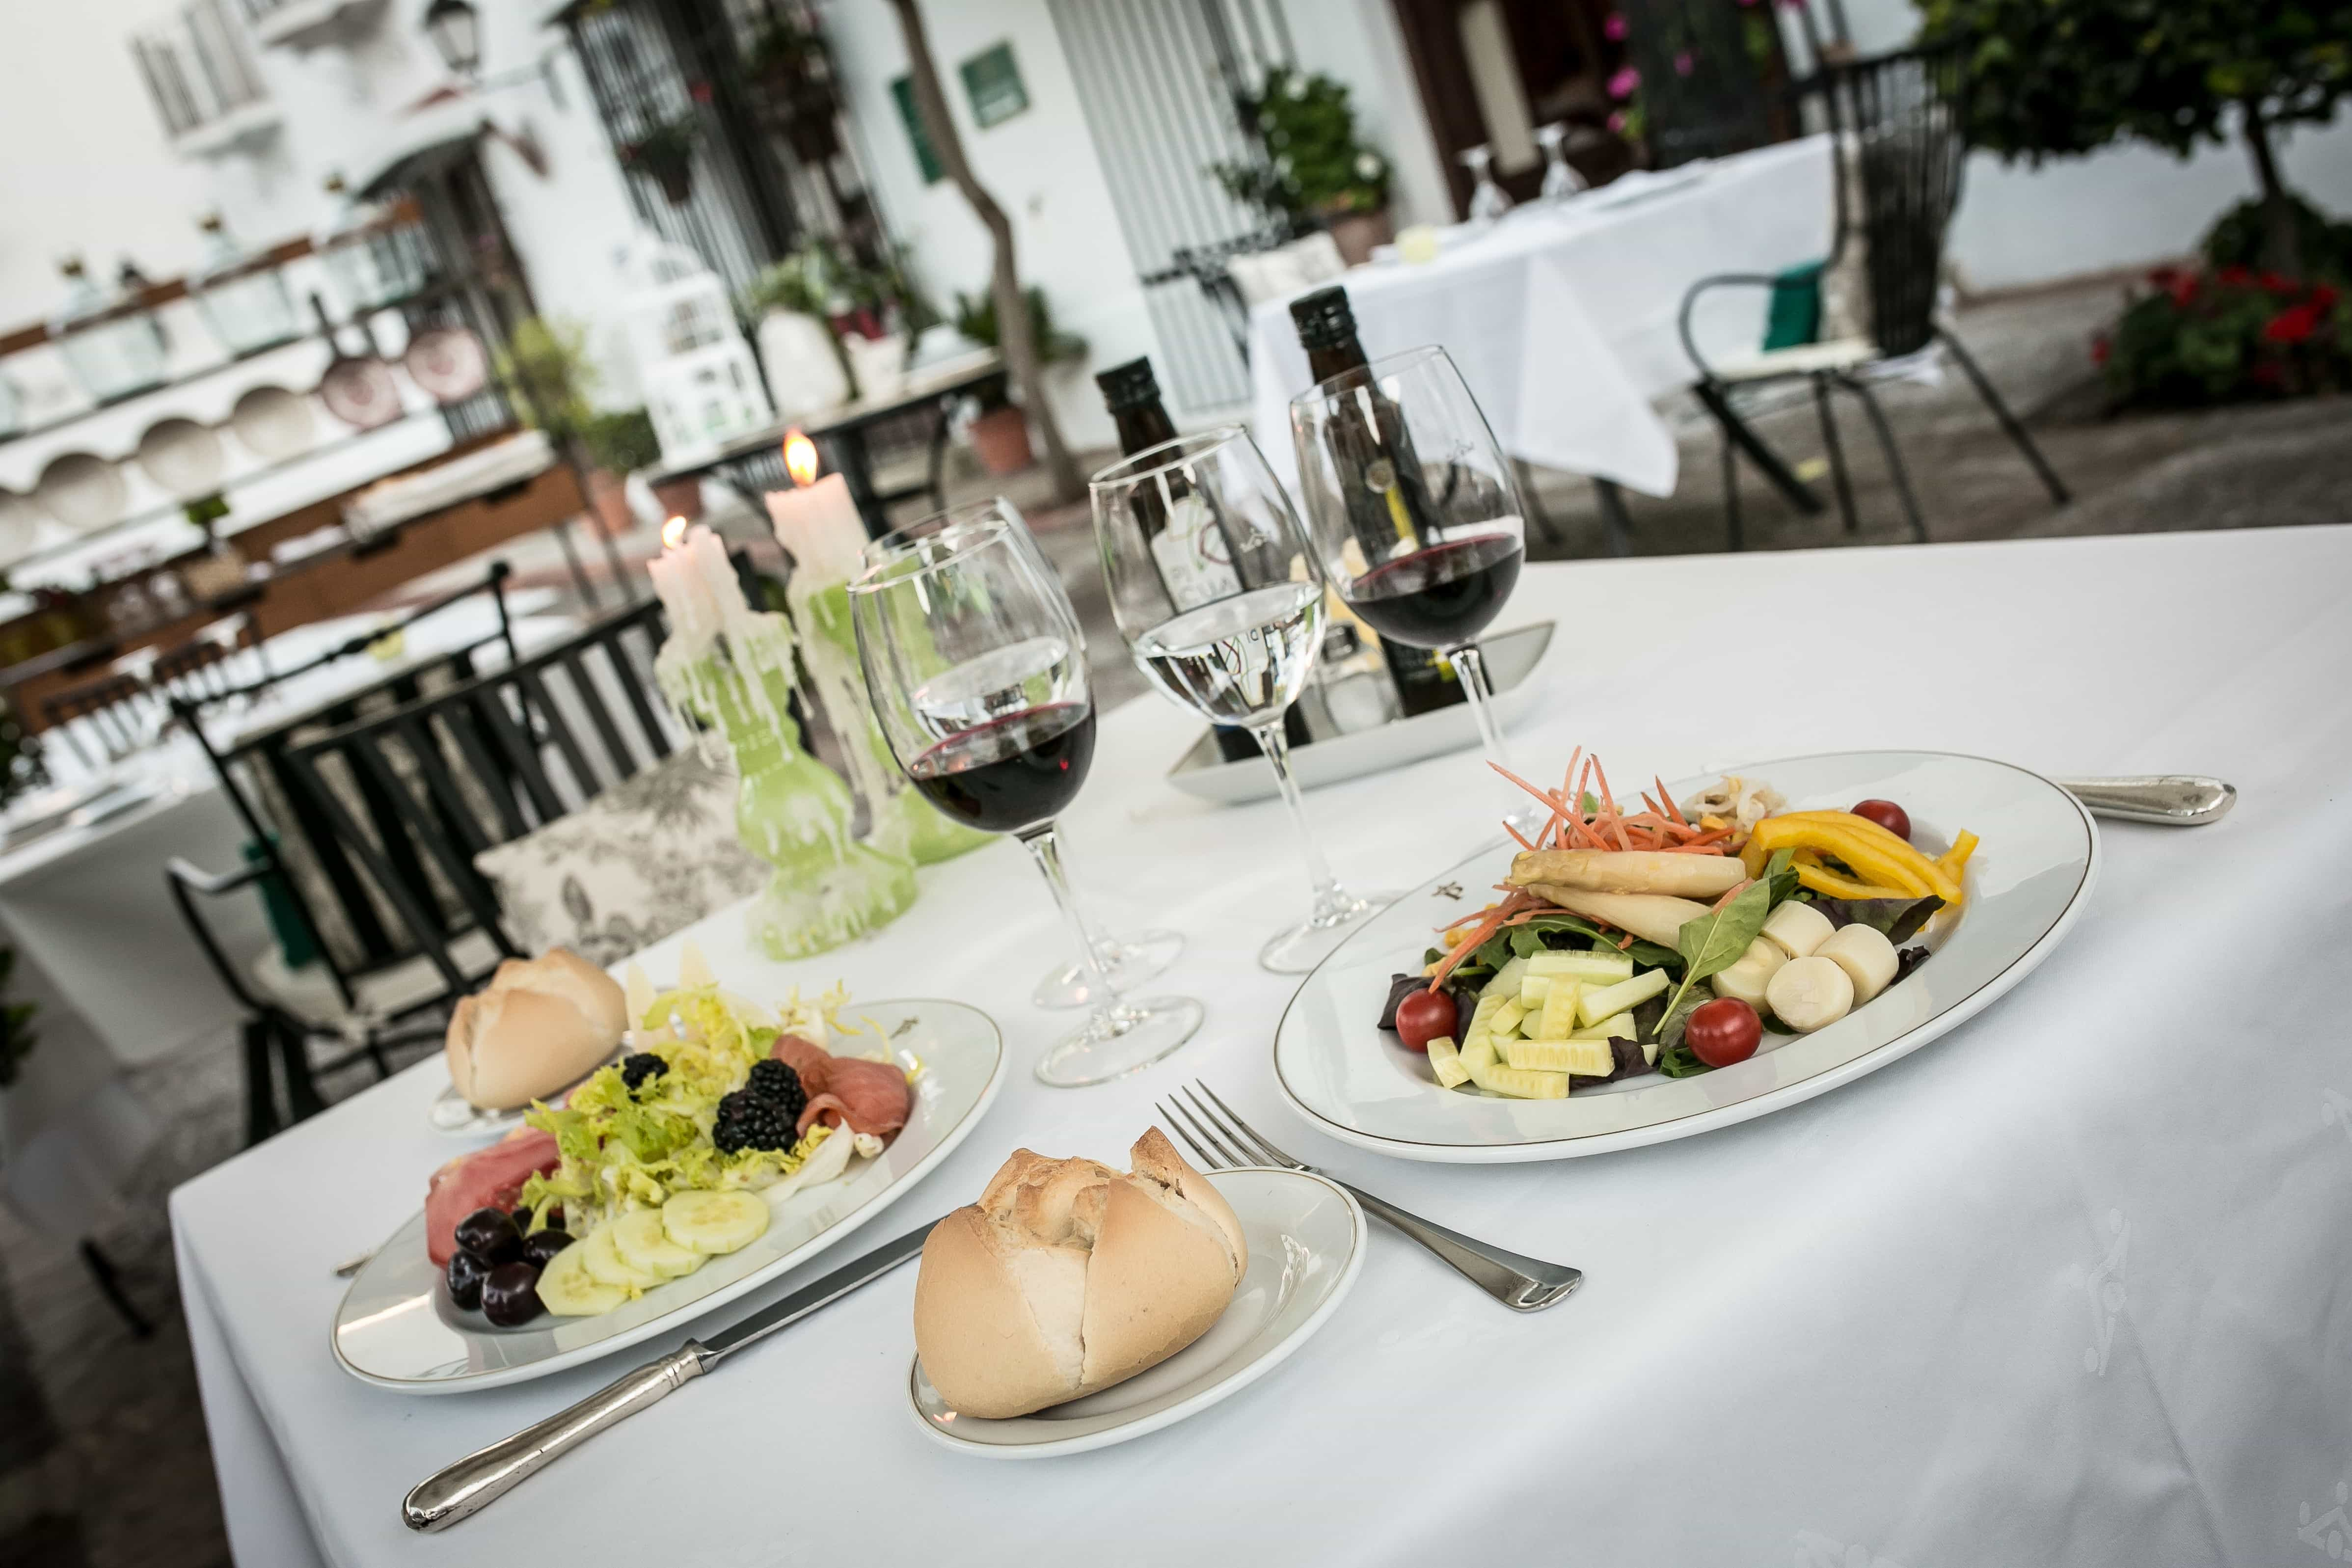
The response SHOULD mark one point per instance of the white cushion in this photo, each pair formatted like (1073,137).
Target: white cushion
(1804,359)
(309,992)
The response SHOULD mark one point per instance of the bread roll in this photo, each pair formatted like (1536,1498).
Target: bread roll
(1068,1277)
(540,1024)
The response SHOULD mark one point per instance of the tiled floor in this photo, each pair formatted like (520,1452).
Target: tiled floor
(102,1455)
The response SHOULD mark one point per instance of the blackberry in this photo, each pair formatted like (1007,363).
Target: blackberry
(747,1121)
(780,1086)
(637,1068)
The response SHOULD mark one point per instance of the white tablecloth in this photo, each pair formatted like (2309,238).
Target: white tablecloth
(1564,323)
(2065,1286)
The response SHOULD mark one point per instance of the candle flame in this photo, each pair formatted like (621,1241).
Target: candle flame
(673,533)
(800,459)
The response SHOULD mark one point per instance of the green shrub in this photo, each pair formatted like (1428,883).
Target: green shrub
(2226,336)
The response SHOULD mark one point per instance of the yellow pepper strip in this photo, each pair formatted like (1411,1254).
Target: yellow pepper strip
(1753,855)
(1804,831)
(1861,833)
(1828,883)
(1954,859)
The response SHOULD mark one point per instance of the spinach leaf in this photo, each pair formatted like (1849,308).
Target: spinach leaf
(1647,954)
(1678,1060)
(1780,875)
(1712,942)
(1496,952)
(1899,920)
(1672,1021)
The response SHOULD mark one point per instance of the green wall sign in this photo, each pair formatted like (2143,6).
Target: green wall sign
(991,80)
(902,93)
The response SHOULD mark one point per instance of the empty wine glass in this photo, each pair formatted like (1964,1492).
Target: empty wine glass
(1215,587)
(978,673)
(1414,512)
(1488,201)
(1561,179)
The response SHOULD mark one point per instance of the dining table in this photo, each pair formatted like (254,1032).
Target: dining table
(2064,1286)
(1564,317)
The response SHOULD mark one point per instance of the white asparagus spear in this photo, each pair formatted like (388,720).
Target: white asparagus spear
(1653,917)
(1630,871)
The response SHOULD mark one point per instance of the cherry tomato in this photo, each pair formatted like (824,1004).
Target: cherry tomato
(1423,1017)
(1723,1031)
(1887,814)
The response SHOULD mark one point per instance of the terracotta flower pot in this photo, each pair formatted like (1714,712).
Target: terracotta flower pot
(675,179)
(608,501)
(680,498)
(1000,437)
(1356,233)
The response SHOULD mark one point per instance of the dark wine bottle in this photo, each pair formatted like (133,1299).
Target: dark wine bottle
(1196,563)
(1381,483)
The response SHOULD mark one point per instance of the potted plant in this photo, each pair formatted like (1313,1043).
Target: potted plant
(547,376)
(792,71)
(1316,171)
(665,153)
(624,443)
(1000,434)
(787,306)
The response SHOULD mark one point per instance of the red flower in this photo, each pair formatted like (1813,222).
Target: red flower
(2292,325)
(2100,349)
(2183,288)
(2280,283)
(2324,297)
(2235,276)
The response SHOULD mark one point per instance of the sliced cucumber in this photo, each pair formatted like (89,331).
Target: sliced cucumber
(715,1222)
(566,1289)
(1520,1084)
(1591,1058)
(1506,1019)
(605,1265)
(1597,967)
(1558,1020)
(1610,1000)
(1616,1027)
(1447,1063)
(1506,980)
(644,1245)
(1533,989)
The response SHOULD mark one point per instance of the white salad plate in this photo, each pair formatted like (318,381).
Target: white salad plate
(1307,1242)
(398,1329)
(1512,657)
(2037,856)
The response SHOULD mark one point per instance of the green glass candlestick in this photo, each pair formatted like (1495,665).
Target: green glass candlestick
(791,810)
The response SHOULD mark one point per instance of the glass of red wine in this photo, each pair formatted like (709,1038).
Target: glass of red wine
(1216,592)
(1413,510)
(978,672)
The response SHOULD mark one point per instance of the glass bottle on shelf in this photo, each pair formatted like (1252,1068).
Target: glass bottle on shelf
(373,255)
(244,298)
(113,353)
(1189,547)
(1391,501)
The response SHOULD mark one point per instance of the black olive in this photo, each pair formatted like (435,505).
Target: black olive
(466,1274)
(510,1295)
(490,1235)
(540,1248)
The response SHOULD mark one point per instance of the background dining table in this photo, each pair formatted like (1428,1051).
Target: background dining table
(1564,320)
(2067,1285)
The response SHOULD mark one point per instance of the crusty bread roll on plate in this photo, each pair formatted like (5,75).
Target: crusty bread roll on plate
(542,1024)
(1068,1277)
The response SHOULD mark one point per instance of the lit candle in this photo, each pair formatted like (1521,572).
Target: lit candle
(696,582)
(816,520)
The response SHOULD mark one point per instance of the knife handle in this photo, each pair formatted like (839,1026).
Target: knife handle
(464,1489)
(2175,800)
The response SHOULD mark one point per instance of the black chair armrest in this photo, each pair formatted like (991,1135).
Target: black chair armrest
(1721,280)
(196,879)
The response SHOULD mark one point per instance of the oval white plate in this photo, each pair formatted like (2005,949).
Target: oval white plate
(397,1329)
(1307,1243)
(2026,882)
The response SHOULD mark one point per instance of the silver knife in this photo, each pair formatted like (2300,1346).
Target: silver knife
(465,1488)
(2176,800)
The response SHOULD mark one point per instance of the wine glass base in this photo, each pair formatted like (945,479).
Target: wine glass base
(1125,965)
(1529,820)
(1118,1040)
(1303,946)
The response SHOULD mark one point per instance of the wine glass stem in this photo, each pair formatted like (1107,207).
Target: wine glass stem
(1046,851)
(1470,663)
(1276,747)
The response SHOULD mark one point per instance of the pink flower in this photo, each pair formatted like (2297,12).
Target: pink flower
(1614,27)
(1682,63)
(1617,120)
(1622,85)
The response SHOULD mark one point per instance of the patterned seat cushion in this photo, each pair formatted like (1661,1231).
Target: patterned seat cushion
(646,858)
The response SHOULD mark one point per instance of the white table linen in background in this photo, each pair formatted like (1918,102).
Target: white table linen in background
(1563,323)
(2063,1287)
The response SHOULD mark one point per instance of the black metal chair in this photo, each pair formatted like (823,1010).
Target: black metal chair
(357,997)
(1894,122)
(482,764)
(204,664)
(117,711)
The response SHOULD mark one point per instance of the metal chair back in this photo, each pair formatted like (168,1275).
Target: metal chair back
(1897,123)
(115,710)
(206,664)
(1709,69)
(484,763)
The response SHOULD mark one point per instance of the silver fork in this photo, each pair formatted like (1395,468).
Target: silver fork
(1522,1284)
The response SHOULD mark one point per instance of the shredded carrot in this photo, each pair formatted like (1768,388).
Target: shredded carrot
(1671,809)
(1745,883)
(1487,926)
(1520,837)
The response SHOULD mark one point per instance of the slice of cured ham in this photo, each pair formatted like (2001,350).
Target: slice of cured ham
(871,1097)
(487,1178)
(806,1058)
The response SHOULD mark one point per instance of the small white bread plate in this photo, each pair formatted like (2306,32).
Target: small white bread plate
(397,1328)
(1306,1241)
(2026,884)
(1512,659)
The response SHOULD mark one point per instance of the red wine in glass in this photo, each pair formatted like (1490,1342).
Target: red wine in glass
(1442,596)
(1012,772)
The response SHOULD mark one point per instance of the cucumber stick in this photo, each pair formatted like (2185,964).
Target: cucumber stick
(1506,980)
(1533,989)
(1506,1021)
(1447,1063)
(1617,1026)
(1591,1058)
(1559,1019)
(1598,968)
(1610,1000)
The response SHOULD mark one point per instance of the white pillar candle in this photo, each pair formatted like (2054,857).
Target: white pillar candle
(697,584)
(820,525)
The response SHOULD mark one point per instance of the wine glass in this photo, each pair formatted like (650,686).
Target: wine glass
(1215,587)
(1415,513)
(978,672)
(1488,201)
(1561,179)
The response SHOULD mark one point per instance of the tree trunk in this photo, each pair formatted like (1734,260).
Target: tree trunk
(1016,338)
(2281,246)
